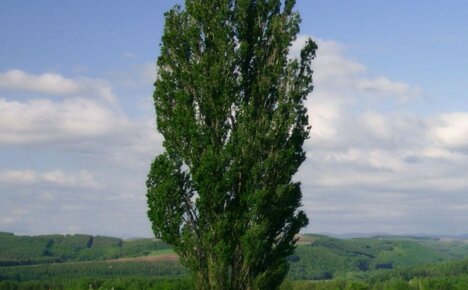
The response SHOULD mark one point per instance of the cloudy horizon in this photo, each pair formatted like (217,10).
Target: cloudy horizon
(389,143)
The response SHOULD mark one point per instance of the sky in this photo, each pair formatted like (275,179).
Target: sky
(388,151)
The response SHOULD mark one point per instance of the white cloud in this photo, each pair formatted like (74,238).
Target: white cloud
(370,167)
(43,120)
(323,118)
(99,152)
(80,125)
(368,164)
(80,179)
(334,71)
(384,86)
(376,124)
(18,176)
(451,130)
(441,153)
(332,66)
(55,84)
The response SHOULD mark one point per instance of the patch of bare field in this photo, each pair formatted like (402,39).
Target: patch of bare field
(157,258)
(305,240)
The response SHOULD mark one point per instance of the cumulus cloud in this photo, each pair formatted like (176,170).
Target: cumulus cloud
(55,84)
(335,72)
(371,167)
(80,125)
(44,120)
(331,64)
(84,153)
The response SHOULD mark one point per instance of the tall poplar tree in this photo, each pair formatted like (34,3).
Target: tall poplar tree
(230,105)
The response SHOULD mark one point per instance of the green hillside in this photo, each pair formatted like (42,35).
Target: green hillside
(325,257)
(319,262)
(28,250)
(317,257)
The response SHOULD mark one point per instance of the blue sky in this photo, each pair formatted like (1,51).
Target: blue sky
(389,145)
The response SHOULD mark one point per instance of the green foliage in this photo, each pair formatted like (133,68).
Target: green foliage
(230,105)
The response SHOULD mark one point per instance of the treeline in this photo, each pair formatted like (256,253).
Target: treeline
(125,283)
(66,271)
(170,275)
(440,276)
(439,270)
(427,283)
(28,250)
(165,275)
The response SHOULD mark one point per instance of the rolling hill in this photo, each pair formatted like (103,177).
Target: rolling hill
(28,250)
(371,259)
